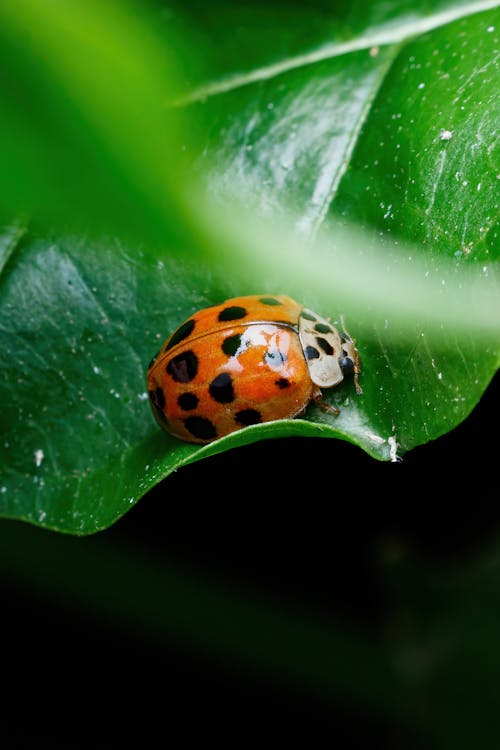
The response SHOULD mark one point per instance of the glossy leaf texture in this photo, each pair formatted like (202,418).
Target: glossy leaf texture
(224,45)
(402,140)
(371,128)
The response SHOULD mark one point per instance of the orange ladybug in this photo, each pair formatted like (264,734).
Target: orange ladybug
(249,360)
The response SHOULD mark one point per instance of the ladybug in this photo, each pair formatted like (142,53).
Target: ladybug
(249,360)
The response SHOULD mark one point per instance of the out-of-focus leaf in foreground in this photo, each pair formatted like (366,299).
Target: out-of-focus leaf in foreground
(85,138)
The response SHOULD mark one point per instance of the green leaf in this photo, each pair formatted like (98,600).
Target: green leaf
(78,325)
(225,45)
(85,138)
(80,318)
(409,151)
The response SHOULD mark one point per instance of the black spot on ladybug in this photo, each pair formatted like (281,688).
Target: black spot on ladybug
(323,328)
(269,301)
(199,427)
(231,345)
(183,367)
(346,365)
(248,416)
(185,330)
(275,359)
(160,398)
(188,401)
(232,313)
(311,352)
(221,388)
(307,315)
(282,383)
(325,345)
(157,398)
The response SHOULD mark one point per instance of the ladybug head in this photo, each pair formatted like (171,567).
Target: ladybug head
(346,364)
(349,361)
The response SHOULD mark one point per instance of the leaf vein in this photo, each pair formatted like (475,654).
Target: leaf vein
(396,35)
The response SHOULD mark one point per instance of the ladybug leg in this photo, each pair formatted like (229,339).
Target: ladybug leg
(324,406)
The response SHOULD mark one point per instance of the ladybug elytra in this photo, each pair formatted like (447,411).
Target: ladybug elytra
(249,360)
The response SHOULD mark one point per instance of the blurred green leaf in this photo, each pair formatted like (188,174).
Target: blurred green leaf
(160,601)
(85,138)
(444,632)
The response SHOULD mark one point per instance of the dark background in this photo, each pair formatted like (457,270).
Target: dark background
(304,526)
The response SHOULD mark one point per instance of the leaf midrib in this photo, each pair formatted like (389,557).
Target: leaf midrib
(353,139)
(385,37)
